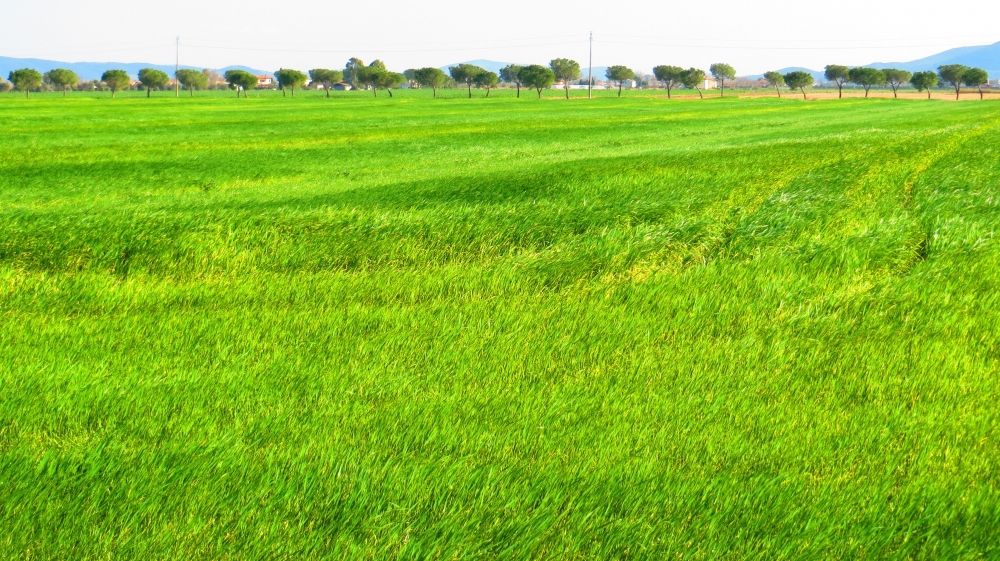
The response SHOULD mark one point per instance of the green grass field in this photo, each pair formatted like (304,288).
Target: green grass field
(361,328)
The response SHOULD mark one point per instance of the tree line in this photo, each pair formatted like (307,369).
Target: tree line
(376,76)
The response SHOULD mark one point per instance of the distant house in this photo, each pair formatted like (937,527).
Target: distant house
(341,86)
(609,85)
(264,81)
(710,83)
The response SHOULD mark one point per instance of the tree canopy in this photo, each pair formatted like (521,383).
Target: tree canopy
(798,80)
(118,80)
(25,79)
(924,81)
(430,77)
(619,73)
(692,78)
(487,79)
(510,74)
(953,74)
(775,80)
(565,69)
(722,72)
(975,78)
(896,78)
(670,76)
(388,80)
(241,80)
(839,74)
(326,77)
(370,76)
(191,79)
(64,78)
(465,73)
(351,71)
(537,77)
(866,77)
(290,79)
(153,78)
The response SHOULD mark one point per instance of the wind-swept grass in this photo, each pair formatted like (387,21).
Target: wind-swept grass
(412,328)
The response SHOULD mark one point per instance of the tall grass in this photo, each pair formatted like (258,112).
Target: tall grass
(414,328)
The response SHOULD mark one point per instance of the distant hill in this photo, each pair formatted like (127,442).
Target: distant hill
(986,57)
(491,65)
(93,70)
(494,66)
(816,74)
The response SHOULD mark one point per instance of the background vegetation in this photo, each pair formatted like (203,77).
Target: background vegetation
(415,328)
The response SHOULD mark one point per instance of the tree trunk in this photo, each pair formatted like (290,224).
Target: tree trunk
(487,91)
(840,90)
(866,91)
(539,93)
(148,92)
(112,93)
(620,88)
(803,89)
(375,91)
(928,93)
(27,94)
(470,89)
(518,89)
(700,96)
(191,89)
(283,92)
(894,96)
(64,90)
(777,89)
(980,93)
(668,91)
(958,89)
(328,90)
(722,84)
(435,90)
(566,87)
(390,92)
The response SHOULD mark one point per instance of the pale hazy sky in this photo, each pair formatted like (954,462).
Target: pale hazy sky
(752,35)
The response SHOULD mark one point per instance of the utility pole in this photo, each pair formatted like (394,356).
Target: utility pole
(590,72)
(177,67)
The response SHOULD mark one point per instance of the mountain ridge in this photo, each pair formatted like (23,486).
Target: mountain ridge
(986,57)
(93,70)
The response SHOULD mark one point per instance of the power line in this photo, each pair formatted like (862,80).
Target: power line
(991,37)
(359,51)
(377,45)
(747,47)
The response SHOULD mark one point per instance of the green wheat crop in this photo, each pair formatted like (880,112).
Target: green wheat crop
(358,328)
